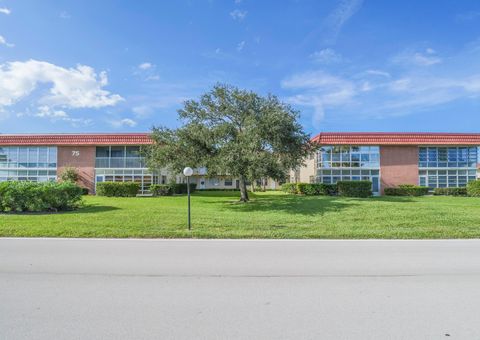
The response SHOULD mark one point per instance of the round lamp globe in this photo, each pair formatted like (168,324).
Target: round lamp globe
(188,171)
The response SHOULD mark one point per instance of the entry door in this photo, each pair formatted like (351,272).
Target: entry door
(375,184)
(202,183)
(99,179)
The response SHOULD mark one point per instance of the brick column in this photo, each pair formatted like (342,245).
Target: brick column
(82,158)
(398,165)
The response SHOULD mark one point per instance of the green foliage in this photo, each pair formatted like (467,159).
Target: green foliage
(85,191)
(407,190)
(321,189)
(19,196)
(181,188)
(473,188)
(118,189)
(354,188)
(69,174)
(221,190)
(270,215)
(450,191)
(161,189)
(289,188)
(235,132)
(310,189)
(327,189)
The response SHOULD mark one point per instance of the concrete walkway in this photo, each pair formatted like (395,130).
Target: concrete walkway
(249,289)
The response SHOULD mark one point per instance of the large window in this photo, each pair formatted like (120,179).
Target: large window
(28,163)
(349,157)
(119,157)
(124,164)
(143,177)
(446,167)
(447,157)
(349,163)
(446,178)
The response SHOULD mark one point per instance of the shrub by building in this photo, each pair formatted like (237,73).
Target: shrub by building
(450,191)
(354,188)
(310,189)
(161,190)
(473,188)
(289,188)
(181,188)
(118,189)
(39,197)
(407,190)
(320,189)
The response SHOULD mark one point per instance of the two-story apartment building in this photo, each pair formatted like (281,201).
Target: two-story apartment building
(391,159)
(98,157)
(386,159)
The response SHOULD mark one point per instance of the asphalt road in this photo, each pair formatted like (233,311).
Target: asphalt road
(225,289)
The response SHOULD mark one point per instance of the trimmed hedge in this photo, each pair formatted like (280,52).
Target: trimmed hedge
(321,189)
(161,189)
(310,189)
(354,188)
(118,189)
(181,188)
(450,191)
(19,196)
(473,188)
(289,188)
(407,190)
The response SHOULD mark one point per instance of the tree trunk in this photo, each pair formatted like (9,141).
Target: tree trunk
(243,190)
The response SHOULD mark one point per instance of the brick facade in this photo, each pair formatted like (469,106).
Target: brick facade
(398,165)
(82,158)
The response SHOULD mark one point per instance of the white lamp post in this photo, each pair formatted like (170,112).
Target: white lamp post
(187,172)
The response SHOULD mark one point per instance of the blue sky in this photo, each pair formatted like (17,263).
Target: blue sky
(346,65)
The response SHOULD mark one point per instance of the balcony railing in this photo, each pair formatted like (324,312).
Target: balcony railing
(122,163)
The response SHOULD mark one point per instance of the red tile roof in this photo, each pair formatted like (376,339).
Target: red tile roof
(77,139)
(396,138)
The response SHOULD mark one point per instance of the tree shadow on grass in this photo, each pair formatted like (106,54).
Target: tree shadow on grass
(395,199)
(304,205)
(94,209)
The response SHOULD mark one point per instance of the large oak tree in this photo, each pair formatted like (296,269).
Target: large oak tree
(233,132)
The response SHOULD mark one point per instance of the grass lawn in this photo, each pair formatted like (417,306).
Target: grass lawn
(268,215)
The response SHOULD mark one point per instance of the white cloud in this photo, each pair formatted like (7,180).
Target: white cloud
(427,58)
(142,111)
(145,66)
(79,87)
(238,14)
(45,111)
(381,94)
(60,115)
(5,10)
(378,73)
(339,17)
(146,71)
(321,91)
(153,77)
(125,122)
(326,56)
(3,41)
(240,46)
